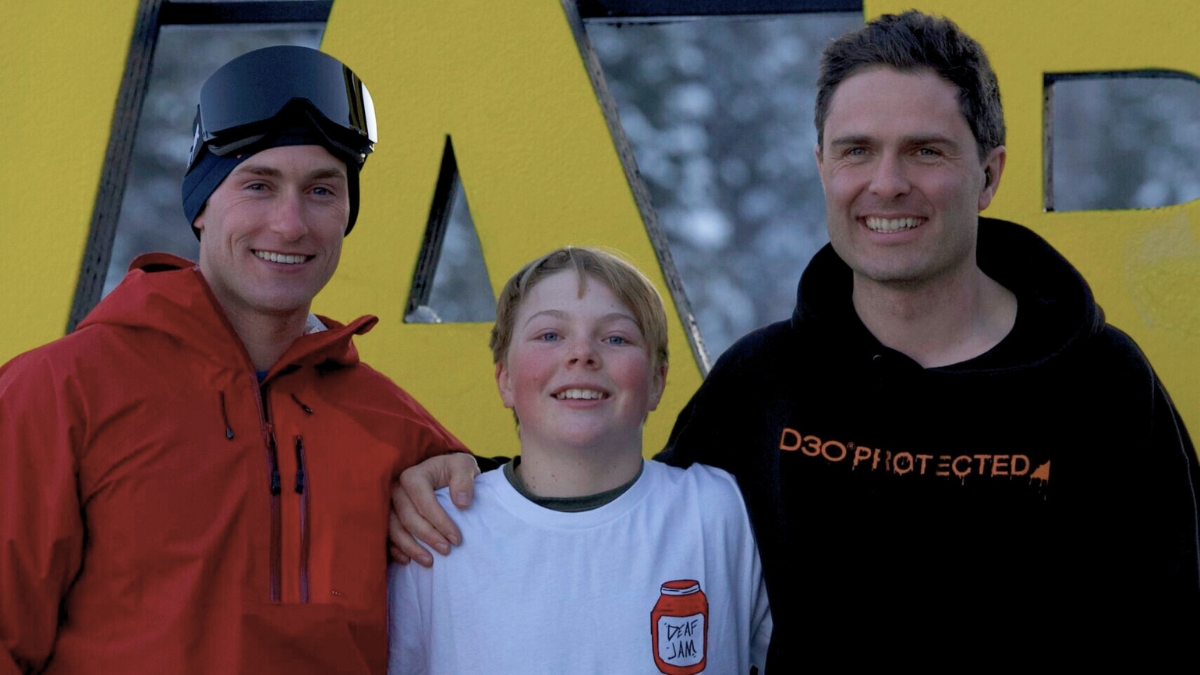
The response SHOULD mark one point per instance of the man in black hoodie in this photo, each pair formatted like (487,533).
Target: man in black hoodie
(946,429)
(946,449)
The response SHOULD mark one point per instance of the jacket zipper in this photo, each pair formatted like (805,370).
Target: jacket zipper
(300,490)
(275,487)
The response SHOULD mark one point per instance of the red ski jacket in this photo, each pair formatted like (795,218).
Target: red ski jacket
(162,511)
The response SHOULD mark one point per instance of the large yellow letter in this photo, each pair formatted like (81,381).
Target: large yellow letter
(61,64)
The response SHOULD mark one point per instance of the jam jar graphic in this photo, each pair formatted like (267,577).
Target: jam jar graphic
(679,628)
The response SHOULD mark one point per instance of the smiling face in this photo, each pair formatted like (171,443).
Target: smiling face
(903,181)
(578,372)
(271,233)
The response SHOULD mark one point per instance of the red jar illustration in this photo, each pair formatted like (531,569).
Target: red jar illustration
(679,628)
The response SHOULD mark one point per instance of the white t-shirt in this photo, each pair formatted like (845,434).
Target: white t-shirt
(664,579)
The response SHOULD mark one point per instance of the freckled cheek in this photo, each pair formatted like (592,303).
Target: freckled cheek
(634,375)
(528,391)
(529,373)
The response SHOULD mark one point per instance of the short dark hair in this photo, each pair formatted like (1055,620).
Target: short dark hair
(912,41)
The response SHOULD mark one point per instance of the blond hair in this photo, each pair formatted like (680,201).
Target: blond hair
(631,287)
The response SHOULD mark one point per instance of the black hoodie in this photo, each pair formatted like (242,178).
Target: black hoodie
(1049,478)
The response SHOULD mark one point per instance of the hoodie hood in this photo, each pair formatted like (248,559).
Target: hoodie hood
(168,294)
(1055,306)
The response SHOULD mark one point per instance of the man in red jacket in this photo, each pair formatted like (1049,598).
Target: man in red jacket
(196,480)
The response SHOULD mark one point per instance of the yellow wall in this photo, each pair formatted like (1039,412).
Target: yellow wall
(61,64)
(506,80)
(1143,265)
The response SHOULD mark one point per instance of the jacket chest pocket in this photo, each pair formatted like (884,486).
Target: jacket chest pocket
(347,498)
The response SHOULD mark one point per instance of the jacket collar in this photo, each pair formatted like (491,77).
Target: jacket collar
(168,294)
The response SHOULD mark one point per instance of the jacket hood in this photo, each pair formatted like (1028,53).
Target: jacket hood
(168,294)
(1055,306)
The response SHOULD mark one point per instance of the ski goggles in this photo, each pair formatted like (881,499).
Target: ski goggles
(242,103)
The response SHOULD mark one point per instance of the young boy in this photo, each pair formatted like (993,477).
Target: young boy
(580,557)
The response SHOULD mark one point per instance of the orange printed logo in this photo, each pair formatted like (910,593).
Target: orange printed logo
(861,457)
(679,628)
